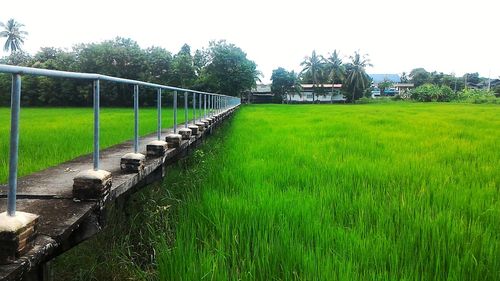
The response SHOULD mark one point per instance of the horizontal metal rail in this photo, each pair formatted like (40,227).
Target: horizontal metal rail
(219,104)
(4,68)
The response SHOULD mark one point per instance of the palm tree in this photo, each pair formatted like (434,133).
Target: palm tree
(15,36)
(313,66)
(357,79)
(296,87)
(336,71)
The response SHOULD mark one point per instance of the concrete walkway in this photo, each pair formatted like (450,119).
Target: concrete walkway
(65,222)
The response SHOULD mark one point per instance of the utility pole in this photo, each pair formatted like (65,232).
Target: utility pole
(489,80)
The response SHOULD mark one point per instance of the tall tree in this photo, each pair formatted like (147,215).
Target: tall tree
(157,65)
(184,73)
(228,70)
(420,76)
(284,83)
(335,69)
(12,30)
(313,67)
(357,80)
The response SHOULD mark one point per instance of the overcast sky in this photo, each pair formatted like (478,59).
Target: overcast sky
(443,35)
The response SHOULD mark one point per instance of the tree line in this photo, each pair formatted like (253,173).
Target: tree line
(319,70)
(222,68)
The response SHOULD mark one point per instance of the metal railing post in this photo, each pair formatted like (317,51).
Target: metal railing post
(199,107)
(211,105)
(194,108)
(175,112)
(136,118)
(96,90)
(209,97)
(14,143)
(185,109)
(205,106)
(158,109)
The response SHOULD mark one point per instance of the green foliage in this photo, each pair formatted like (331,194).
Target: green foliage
(313,72)
(477,96)
(12,31)
(283,83)
(432,92)
(227,69)
(496,90)
(184,74)
(419,76)
(334,68)
(472,78)
(123,250)
(357,81)
(222,68)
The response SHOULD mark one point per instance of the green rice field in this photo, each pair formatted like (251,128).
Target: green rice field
(50,136)
(396,191)
(319,192)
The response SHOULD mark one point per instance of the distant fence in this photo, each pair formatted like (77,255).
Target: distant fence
(209,104)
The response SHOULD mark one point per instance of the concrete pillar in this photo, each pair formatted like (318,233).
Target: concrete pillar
(206,122)
(201,126)
(92,184)
(194,130)
(185,133)
(156,148)
(17,234)
(173,140)
(132,162)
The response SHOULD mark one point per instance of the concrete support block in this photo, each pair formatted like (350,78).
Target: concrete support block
(173,140)
(194,130)
(156,148)
(16,235)
(206,122)
(201,126)
(132,162)
(210,120)
(92,184)
(185,133)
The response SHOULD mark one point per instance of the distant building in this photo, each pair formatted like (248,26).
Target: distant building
(328,93)
(260,94)
(397,86)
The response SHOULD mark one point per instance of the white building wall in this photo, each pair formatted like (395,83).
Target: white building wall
(308,97)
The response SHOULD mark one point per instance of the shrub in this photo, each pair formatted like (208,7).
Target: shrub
(477,96)
(431,92)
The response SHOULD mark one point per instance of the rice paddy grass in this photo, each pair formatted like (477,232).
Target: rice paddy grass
(50,136)
(399,191)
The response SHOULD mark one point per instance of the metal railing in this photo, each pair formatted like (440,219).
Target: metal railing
(219,104)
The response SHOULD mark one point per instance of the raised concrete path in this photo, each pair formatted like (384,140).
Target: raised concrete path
(65,222)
